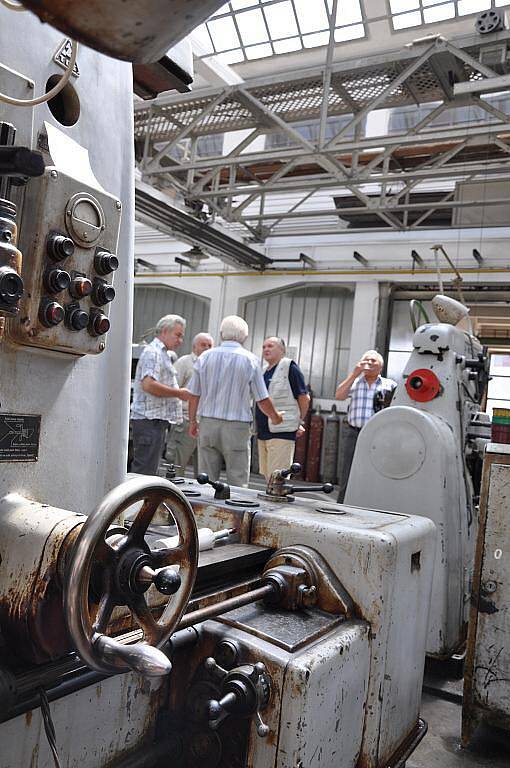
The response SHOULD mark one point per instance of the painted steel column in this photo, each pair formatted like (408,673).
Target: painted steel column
(364,320)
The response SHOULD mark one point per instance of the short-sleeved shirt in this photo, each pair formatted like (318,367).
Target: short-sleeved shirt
(361,407)
(227,379)
(298,387)
(156,362)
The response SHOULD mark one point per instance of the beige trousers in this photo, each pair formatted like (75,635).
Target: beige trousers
(275,454)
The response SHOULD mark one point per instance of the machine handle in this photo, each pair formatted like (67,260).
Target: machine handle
(325,488)
(294,469)
(144,659)
(222,489)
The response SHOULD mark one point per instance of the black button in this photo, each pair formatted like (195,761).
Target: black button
(60,247)
(57,280)
(103,293)
(105,262)
(78,319)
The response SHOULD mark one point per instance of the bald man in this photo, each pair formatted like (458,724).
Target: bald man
(181,447)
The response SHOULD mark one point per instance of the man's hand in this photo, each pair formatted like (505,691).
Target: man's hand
(300,431)
(193,429)
(278,418)
(359,368)
(183,394)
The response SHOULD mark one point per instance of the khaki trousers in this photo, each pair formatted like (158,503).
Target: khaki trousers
(180,447)
(275,454)
(229,441)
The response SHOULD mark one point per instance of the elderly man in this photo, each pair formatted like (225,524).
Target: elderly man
(180,445)
(156,395)
(224,383)
(287,389)
(369,392)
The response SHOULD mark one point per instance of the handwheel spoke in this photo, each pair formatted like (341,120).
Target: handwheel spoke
(142,520)
(145,619)
(172,556)
(104,612)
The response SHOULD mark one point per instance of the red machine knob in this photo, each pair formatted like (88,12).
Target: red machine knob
(422,385)
(51,313)
(99,324)
(81,287)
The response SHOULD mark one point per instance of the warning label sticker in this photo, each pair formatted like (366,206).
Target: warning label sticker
(19,437)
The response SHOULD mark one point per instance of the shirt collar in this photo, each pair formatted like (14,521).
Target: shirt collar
(230,344)
(158,343)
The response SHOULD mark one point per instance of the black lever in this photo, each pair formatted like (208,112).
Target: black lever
(222,490)
(325,488)
(294,469)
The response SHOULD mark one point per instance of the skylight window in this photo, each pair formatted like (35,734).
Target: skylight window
(243,30)
(414,13)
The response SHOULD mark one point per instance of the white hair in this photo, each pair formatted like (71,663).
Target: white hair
(201,335)
(374,353)
(279,341)
(169,321)
(234,328)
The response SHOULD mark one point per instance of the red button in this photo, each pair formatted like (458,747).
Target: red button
(101,325)
(82,286)
(422,385)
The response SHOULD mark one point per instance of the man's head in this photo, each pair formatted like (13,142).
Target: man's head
(170,329)
(201,342)
(234,328)
(372,363)
(273,349)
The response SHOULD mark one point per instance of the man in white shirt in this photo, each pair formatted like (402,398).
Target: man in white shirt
(156,395)
(225,381)
(369,392)
(181,447)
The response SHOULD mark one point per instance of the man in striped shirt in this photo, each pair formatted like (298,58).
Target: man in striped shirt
(225,382)
(369,392)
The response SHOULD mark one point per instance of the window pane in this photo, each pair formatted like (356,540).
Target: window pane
(259,51)
(311,15)
(281,20)
(232,57)
(223,33)
(399,6)
(202,35)
(237,4)
(500,366)
(472,6)
(349,33)
(313,41)
(252,27)
(285,46)
(347,12)
(438,13)
(407,20)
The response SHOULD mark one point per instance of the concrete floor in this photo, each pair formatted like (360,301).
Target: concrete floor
(441,748)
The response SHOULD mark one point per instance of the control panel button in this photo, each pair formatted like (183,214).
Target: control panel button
(51,313)
(103,293)
(77,318)
(105,262)
(80,287)
(59,247)
(57,280)
(99,323)
(11,286)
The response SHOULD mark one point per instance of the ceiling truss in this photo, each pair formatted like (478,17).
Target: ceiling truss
(381,174)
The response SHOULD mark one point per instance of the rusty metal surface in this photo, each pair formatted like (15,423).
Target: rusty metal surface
(134,30)
(487,669)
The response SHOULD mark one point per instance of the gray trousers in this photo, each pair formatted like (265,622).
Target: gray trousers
(229,441)
(347,448)
(148,441)
(180,447)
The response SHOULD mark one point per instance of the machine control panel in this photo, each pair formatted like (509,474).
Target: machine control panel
(69,246)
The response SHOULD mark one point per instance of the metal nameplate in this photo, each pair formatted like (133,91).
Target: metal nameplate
(19,437)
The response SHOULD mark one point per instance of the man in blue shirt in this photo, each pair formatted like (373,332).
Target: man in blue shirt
(369,392)
(287,388)
(226,381)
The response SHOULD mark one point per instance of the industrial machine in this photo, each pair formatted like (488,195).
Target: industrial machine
(121,644)
(423,455)
(486,689)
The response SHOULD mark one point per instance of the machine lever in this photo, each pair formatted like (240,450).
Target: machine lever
(325,488)
(294,469)
(222,490)
(144,659)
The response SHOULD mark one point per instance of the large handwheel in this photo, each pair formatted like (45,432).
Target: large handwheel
(123,568)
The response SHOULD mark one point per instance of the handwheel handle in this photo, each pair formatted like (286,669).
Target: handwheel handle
(141,658)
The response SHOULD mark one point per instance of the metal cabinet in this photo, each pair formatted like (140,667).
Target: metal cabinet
(487,675)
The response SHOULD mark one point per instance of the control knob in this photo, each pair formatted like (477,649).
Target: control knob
(77,319)
(103,293)
(99,323)
(51,313)
(60,247)
(81,287)
(105,262)
(57,280)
